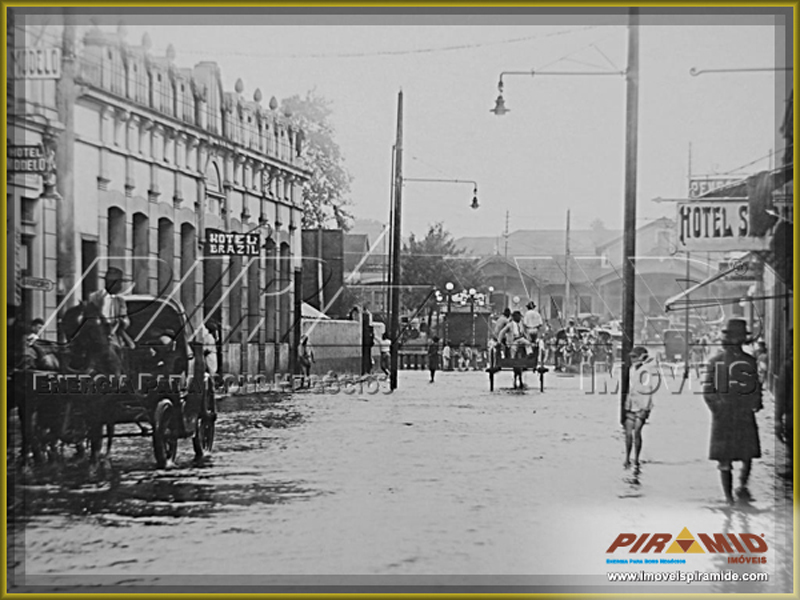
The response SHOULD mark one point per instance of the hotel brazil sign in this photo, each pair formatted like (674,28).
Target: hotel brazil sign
(232,244)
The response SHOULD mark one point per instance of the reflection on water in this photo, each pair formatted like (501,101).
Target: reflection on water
(432,479)
(737,520)
(128,486)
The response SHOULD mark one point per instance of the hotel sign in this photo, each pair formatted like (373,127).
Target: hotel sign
(716,226)
(37,63)
(232,244)
(28,159)
(703,184)
(37,283)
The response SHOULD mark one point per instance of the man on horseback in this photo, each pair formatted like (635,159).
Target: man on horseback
(114,309)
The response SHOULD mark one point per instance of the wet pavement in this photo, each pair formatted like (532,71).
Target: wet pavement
(444,479)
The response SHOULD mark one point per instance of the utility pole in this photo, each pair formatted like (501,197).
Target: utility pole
(686,324)
(65,144)
(629,225)
(396,247)
(505,268)
(566,274)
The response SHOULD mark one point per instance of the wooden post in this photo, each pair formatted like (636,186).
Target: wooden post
(396,246)
(629,226)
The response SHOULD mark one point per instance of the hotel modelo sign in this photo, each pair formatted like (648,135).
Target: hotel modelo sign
(28,159)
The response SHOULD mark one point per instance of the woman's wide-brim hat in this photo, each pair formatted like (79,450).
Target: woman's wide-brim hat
(736,327)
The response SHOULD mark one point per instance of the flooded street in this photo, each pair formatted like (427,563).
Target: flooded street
(446,482)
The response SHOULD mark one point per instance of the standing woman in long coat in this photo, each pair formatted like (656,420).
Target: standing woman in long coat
(433,356)
(732,392)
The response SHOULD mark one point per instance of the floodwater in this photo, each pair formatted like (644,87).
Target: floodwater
(436,483)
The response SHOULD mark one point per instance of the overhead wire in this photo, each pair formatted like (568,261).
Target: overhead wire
(759,159)
(423,50)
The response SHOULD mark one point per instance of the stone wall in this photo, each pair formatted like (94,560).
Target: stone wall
(336,345)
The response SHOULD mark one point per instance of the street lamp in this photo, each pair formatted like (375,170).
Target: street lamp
(472,293)
(449,287)
(631,75)
(474,205)
(396,244)
(500,103)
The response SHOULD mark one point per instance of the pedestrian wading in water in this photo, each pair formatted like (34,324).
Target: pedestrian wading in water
(433,356)
(644,381)
(732,392)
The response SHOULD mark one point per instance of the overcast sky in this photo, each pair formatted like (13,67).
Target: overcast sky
(562,144)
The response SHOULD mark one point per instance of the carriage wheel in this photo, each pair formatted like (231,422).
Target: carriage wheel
(165,438)
(203,439)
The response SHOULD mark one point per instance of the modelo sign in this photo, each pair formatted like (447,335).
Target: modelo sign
(27,159)
(232,244)
(716,225)
(37,63)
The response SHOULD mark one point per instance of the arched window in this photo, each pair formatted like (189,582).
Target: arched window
(166,256)
(117,72)
(235,299)
(253,301)
(214,191)
(213,270)
(188,259)
(213,107)
(141,253)
(285,298)
(142,83)
(271,288)
(185,100)
(116,238)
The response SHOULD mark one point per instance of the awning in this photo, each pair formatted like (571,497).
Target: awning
(683,300)
(309,312)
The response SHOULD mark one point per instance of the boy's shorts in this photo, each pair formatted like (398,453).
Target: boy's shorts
(636,414)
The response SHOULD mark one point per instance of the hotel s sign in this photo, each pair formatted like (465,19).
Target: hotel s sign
(716,225)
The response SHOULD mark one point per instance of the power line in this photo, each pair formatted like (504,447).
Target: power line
(771,154)
(407,51)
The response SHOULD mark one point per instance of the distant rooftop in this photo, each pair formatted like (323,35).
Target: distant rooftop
(541,242)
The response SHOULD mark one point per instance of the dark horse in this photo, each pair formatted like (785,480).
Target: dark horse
(63,414)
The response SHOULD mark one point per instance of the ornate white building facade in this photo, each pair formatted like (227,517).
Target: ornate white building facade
(151,159)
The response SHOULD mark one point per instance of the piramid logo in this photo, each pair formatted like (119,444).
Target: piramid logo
(685,544)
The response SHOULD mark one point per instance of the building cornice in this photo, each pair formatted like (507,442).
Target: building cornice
(103,98)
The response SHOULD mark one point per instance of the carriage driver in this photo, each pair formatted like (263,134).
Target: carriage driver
(516,336)
(113,308)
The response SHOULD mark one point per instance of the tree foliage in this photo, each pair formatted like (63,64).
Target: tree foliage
(433,261)
(598,226)
(326,201)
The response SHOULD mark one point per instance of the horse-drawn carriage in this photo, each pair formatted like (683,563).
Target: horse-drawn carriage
(604,348)
(500,359)
(160,385)
(569,347)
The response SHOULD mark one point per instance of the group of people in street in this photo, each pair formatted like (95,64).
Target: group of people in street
(732,390)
